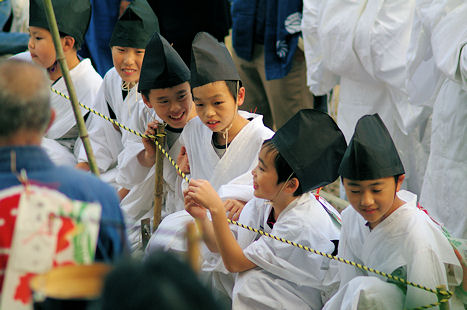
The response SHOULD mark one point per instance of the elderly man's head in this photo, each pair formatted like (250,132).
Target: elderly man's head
(24,101)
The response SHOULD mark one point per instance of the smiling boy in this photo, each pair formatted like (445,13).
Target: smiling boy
(222,144)
(61,140)
(166,93)
(385,230)
(118,97)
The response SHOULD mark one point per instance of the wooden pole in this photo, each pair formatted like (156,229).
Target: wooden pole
(444,305)
(83,133)
(159,183)
(193,253)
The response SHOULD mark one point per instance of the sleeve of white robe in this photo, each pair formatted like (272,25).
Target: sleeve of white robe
(130,171)
(449,40)
(105,139)
(288,262)
(320,79)
(347,272)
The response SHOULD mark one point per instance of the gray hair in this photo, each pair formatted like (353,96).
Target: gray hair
(24,97)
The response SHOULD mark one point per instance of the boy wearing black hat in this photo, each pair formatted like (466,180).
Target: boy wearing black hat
(61,140)
(165,89)
(118,97)
(303,155)
(222,143)
(385,230)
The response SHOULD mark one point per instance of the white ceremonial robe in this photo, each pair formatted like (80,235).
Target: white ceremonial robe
(287,277)
(444,192)
(230,176)
(86,82)
(406,239)
(107,142)
(138,204)
(365,45)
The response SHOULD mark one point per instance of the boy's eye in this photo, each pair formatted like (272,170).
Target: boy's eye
(163,102)
(198,104)
(376,191)
(182,96)
(355,191)
(218,102)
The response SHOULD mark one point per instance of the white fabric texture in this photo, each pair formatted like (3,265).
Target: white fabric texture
(289,277)
(366,46)
(444,192)
(406,239)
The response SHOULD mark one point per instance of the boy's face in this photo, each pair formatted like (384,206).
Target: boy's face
(373,199)
(41,47)
(172,104)
(265,176)
(215,105)
(127,61)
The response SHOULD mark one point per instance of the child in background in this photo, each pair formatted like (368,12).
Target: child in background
(118,97)
(61,140)
(385,230)
(165,89)
(303,155)
(222,145)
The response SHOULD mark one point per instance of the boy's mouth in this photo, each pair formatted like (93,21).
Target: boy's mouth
(212,124)
(177,117)
(128,71)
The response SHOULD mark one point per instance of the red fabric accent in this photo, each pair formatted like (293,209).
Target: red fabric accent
(7,205)
(23,292)
(62,240)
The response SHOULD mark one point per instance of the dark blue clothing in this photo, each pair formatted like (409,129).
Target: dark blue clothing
(75,184)
(281,32)
(103,19)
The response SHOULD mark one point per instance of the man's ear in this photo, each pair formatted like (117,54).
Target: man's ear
(400,180)
(146,101)
(241,96)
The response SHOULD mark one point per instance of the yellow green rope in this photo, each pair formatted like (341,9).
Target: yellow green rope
(446,293)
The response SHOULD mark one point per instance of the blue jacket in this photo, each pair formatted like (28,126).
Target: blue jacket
(282,30)
(75,184)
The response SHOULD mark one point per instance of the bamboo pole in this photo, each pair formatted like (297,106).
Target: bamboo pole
(159,182)
(83,133)
(445,305)
(193,251)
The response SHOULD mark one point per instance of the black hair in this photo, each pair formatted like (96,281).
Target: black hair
(234,86)
(162,279)
(283,169)
(145,93)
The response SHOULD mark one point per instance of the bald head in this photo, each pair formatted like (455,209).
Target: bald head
(24,98)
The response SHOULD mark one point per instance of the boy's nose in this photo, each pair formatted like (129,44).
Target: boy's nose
(366,199)
(30,44)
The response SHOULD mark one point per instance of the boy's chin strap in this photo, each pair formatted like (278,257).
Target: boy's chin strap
(127,86)
(225,132)
(282,188)
(53,67)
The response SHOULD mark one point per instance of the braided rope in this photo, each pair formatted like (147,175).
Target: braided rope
(446,293)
